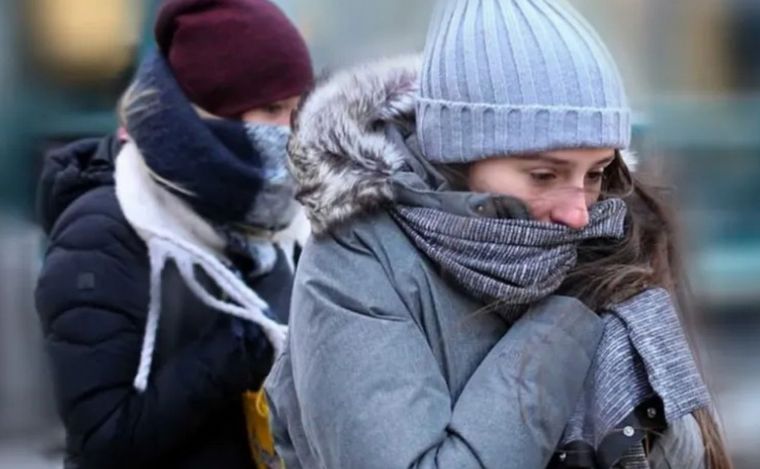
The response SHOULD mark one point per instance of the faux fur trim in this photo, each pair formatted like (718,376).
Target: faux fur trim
(339,153)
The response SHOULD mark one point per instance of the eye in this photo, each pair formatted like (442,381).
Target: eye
(274,109)
(595,176)
(543,177)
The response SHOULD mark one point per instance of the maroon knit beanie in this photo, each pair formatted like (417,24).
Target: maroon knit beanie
(231,56)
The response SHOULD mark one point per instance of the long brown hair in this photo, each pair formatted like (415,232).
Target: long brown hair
(609,272)
(648,256)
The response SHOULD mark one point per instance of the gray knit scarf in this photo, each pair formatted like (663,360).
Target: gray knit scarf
(643,352)
(510,262)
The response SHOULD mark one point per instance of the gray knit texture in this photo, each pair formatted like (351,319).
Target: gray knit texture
(508,263)
(505,77)
(643,352)
(274,206)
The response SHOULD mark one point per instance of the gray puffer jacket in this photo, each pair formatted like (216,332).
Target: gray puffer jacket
(388,365)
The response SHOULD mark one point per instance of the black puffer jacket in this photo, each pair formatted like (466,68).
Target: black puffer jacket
(92,299)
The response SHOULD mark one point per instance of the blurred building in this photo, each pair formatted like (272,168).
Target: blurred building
(63,64)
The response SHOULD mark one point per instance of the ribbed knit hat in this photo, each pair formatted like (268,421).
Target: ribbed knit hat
(505,77)
(231,56)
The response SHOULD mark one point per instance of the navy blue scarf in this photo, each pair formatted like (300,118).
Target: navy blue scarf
(213,162)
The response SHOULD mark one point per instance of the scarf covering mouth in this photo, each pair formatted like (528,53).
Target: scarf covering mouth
(514,262)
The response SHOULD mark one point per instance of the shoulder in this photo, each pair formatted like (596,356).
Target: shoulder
(94,261)
(375,234)
(94,221)
(351,272)
(373,239)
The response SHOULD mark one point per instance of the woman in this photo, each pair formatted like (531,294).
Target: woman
(157,233)
(488,287)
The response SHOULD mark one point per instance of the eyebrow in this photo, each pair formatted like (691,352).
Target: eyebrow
(558,161)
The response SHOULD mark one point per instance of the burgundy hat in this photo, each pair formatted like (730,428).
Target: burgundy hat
(231,56)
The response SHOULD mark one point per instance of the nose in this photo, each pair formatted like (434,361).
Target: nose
(571,210)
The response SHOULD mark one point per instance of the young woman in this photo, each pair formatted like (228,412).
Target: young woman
(489,286)
(158,233)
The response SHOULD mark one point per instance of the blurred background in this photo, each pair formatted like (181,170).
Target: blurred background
(693,72)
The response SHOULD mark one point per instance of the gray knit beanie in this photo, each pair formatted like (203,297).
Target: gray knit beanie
(505,77)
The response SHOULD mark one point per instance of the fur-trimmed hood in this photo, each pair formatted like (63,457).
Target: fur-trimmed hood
(340,151)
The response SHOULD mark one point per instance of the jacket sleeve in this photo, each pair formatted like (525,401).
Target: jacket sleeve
(679,446)
(92,297)
(372,395)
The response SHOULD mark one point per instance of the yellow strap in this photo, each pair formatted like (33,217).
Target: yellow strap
(259,434)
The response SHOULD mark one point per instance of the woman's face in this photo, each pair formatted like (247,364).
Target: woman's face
(274,114)
(557,186)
